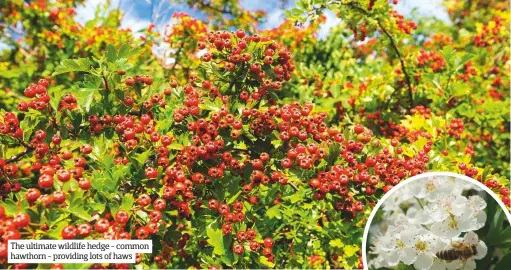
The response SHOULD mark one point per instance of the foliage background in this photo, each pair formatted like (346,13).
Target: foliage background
(441,81)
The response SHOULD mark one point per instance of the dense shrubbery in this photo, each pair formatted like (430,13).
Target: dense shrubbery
(249,149)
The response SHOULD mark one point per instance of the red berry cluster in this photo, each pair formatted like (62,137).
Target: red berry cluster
(421,110)
(402,25)
(10,125)
(39,95)
(431,58)
(456,127)
(470,71)
(269,66)
(489,36)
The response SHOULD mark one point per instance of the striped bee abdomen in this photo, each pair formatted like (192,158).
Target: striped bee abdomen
(449,254)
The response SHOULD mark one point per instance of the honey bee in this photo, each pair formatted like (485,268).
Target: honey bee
(461,250)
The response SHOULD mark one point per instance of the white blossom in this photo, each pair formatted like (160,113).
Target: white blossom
(426,217)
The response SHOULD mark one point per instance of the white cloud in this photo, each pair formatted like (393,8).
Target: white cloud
(274,19)
(87,12)
(424,8)
(331,21)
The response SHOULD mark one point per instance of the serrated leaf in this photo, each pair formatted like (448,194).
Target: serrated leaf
(216,240)
(88,88)
(10,207)
(55,233)
(72,65)
(111,53)
(264,261)
(336,243)
(333,153)
(274,212)
(350,250)
(127,202)
(126,51)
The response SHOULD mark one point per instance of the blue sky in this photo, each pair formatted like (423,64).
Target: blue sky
(140,13)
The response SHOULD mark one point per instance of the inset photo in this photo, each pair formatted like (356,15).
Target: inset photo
(438,221)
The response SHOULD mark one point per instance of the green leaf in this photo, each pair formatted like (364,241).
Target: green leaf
(125,51)
(102,184)
(111,53)
(77,205)
(88,88)
(504,263)
(10,207)
(215,239)
(72,65)
(336,243)
(274,212)
(142,158)
(264,261)
(333,153)
(55,233)
(127,202)
(487,170)
(350,250)
(233,198)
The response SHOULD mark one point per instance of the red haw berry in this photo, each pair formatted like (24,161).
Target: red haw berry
(86,149)
(69,232)
(102,225)
(142,233)
(122,217)
(32,194)
(84,229)
(129,81)
(358,129)
(268,242)
(238,249)
(227,229)
(59,197)
(21,220)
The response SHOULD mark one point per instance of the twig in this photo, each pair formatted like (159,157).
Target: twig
(401,60)
(394,46)
(293,186)
(19,156)
(105,81)
(176,56)
(53,120)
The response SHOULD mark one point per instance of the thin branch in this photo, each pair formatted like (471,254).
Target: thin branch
(176,56)
(293,186)
(394,46)
(18,157)
(105,81)
(401,60)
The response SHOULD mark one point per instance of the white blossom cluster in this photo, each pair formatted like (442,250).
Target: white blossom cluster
(425,217)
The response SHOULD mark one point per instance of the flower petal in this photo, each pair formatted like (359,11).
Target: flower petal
(482,250)
(408,237)
(471,237)
(470,264)
(424,261)
(439,264)
(408,255)
(393,257)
